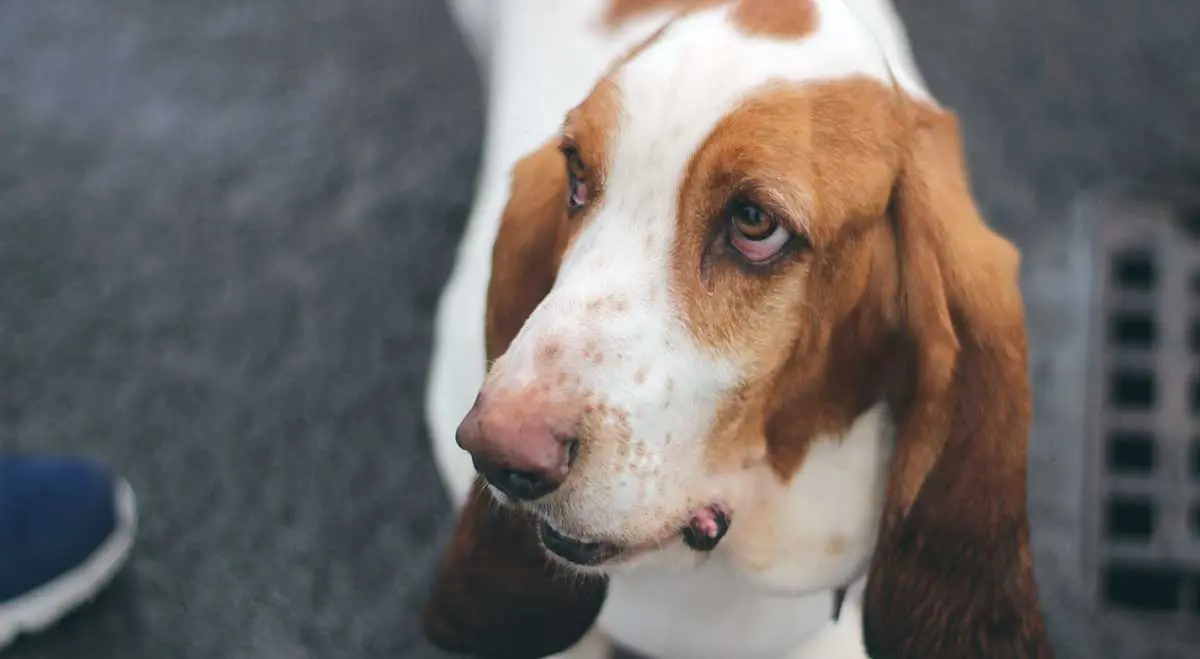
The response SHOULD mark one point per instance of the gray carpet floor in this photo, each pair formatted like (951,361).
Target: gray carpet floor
(223,229)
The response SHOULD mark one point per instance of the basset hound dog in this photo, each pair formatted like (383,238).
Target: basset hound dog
(729,365)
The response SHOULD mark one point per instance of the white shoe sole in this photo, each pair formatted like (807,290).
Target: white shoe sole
(48,603)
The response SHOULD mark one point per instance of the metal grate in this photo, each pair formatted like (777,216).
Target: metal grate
(1145,397)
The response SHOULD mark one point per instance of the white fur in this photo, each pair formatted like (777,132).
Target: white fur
(765,592)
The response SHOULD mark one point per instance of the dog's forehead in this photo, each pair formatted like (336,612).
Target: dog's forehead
(706,63)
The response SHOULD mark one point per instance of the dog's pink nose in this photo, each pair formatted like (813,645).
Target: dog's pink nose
(516,450)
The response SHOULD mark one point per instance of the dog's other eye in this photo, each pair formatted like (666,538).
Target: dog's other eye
(755,233)
(577,196)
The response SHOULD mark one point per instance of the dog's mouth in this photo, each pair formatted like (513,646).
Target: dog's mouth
(703,533)
(575,551)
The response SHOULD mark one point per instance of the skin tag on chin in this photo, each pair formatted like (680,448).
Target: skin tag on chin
(706,528)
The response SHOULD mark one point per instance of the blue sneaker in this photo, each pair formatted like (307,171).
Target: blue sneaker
(66,528)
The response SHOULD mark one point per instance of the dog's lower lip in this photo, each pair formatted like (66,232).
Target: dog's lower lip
(576,551)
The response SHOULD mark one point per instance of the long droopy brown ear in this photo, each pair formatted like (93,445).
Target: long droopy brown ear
(496,593)
(952,573)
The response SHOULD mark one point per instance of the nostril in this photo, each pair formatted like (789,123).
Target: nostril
(523,461)
(522,484)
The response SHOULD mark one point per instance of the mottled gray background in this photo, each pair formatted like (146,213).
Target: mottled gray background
(224,225)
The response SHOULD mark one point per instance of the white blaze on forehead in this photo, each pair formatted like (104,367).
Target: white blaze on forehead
(679,88)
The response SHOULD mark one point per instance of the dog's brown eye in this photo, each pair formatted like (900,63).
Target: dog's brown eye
(755,233)
(750,221)
(577,196)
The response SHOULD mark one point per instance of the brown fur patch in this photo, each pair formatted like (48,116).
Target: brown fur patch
(529,244)
(952,574)
(780,19)
(819,158)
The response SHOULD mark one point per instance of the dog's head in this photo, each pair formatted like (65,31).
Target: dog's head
(752,232)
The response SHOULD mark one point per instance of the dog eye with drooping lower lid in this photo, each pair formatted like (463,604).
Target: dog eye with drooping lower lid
(755,233)
(578,193)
